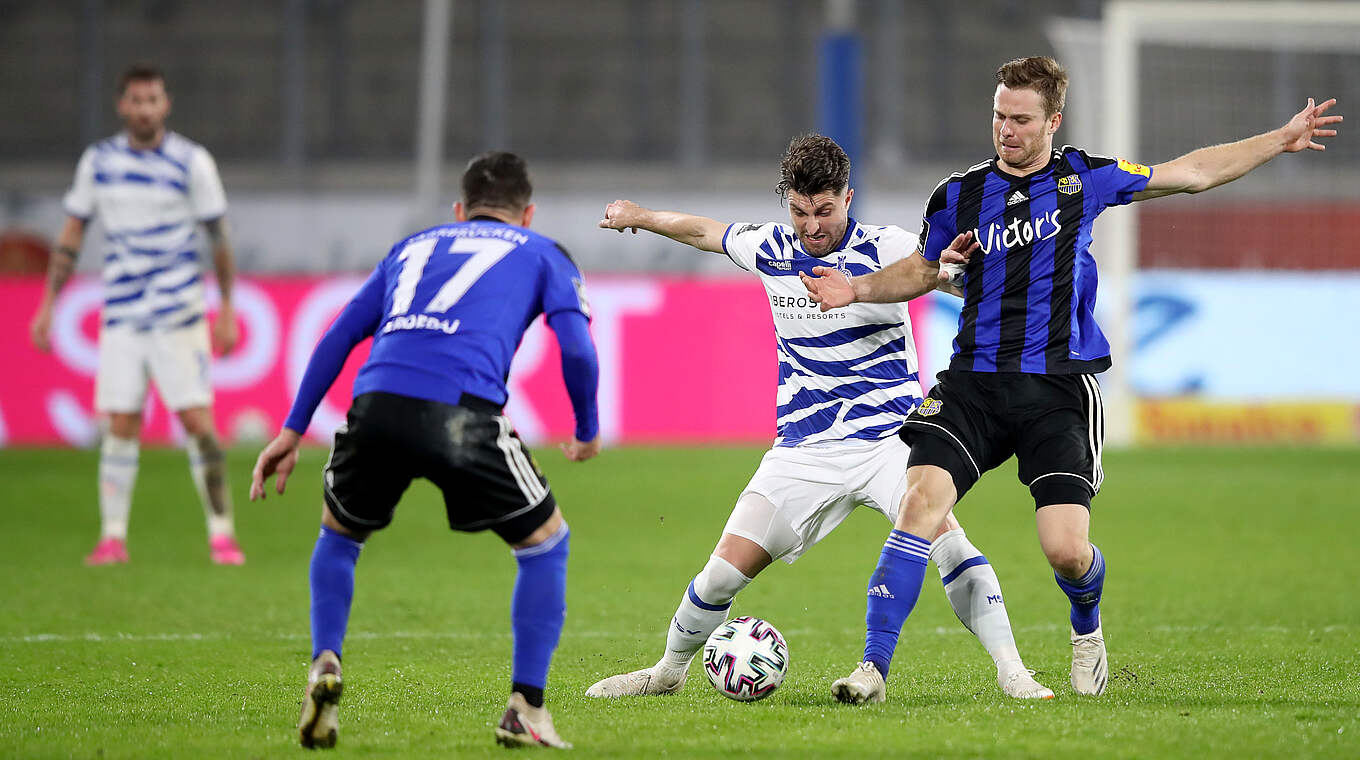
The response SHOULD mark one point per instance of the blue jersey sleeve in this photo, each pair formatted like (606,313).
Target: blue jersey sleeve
(1116,179)
(580,370)
(563,287)
(358,321)
(937,224)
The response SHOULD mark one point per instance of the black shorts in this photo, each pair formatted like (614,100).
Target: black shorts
(972,422)
(489,479)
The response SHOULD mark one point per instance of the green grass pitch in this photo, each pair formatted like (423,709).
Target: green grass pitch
(1230,611)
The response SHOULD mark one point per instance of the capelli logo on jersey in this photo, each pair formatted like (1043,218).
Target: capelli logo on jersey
(781,265)
(1132,168)
(1019,232)
(1069,185)
(581,295)
(930,407)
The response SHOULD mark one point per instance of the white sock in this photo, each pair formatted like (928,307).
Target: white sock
(715,586)
(208,467)
(117,475)
(975,594)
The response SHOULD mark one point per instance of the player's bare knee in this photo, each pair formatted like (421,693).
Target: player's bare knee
(542,533)
(925,507)
(126,425)
(747,556)
(198,422)
(1069,558)
(329,520)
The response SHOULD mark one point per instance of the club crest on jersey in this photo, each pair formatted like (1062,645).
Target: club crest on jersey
(930,407)
(1069,185)
(840,265)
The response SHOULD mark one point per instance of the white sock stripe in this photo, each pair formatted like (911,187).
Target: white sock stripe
(914,551)
(909,538)
(529,486)
(921,545)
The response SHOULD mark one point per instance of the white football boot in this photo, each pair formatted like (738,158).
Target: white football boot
(863,685)
(1020,684)
(648,682)
(523,725)
(1090,670)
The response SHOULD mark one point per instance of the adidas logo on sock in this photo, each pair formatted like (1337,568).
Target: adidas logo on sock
(1016,197)
(881,590)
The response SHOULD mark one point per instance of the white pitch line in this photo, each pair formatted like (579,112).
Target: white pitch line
(117,637)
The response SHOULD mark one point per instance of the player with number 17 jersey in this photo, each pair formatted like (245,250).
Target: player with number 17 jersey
(447,308)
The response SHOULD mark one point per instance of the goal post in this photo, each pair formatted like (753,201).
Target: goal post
(1117,121)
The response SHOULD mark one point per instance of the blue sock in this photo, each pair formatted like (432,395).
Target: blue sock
(332,579)
(893,590)
(537,610)
(1085,594)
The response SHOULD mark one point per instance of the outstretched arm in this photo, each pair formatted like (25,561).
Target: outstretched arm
(1210,167)
(696,231)
(901,281)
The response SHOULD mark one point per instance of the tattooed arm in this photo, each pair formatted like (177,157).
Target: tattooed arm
(225,332)
(60,265)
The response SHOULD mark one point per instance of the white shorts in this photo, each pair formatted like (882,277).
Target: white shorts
(814,488)
(177,361)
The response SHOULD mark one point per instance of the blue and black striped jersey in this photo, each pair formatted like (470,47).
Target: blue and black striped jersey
(1030,291)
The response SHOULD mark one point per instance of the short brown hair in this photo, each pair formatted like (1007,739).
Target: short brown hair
(497,179)
(1039,73)
(813,164)
(139,72)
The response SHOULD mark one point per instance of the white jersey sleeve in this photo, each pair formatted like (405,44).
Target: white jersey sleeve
(206,195)
(742,242)
(894,244)
(79,200)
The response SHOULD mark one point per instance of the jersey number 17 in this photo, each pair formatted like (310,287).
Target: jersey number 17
(485,253)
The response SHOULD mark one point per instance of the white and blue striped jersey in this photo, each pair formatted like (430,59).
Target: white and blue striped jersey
(845,374)
(149,203)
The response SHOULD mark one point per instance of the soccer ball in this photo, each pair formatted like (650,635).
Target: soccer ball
(746,659)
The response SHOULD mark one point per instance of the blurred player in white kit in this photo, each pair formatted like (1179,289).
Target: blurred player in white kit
(151,189)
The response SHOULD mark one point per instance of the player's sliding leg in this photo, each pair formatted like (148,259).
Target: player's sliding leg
(754,536)
(537,612)
(207,465)
(974,592)
(896,582)
(332,584)
(1079,569)
(117,475)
